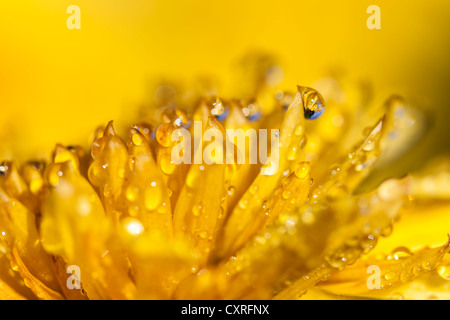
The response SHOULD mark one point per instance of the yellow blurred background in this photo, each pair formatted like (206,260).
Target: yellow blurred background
(58,85)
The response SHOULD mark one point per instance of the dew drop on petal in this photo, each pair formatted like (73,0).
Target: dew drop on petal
(444,271)
(302,170)
(313,103)
(399,253)
(164,134)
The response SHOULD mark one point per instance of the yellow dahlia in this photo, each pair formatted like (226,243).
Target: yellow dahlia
(124,221)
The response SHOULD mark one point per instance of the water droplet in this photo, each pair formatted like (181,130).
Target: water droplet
(3,169)
(399,253)
(252,112)
(132,164)
(334,170)
(390,276)
(14,265)
(368,242)
(293,153)
(315,195)
(218,108)
(152,198)
(197,210)
(298,131)
(369,145)
(427,266)
(386,232)
(308,216)
(136,138)
(444,271)
(337,261)
(221,212)
(164,134)
(243,204)
(265,204)
(167,165)
(313,103)
(253,189)
(360,166)
(303,142)
(302,170)
(287,194)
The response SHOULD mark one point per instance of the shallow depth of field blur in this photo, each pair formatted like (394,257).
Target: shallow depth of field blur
(57,85)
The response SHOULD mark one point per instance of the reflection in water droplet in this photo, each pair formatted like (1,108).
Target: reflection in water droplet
(313,103)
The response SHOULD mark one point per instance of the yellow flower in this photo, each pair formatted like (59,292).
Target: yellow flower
(137,225)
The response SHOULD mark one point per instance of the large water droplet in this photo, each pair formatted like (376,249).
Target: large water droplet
(302,170)
(313,103)
(399,253)
(164,134)
(444,271)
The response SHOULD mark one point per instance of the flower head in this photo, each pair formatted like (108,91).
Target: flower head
(139,224)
